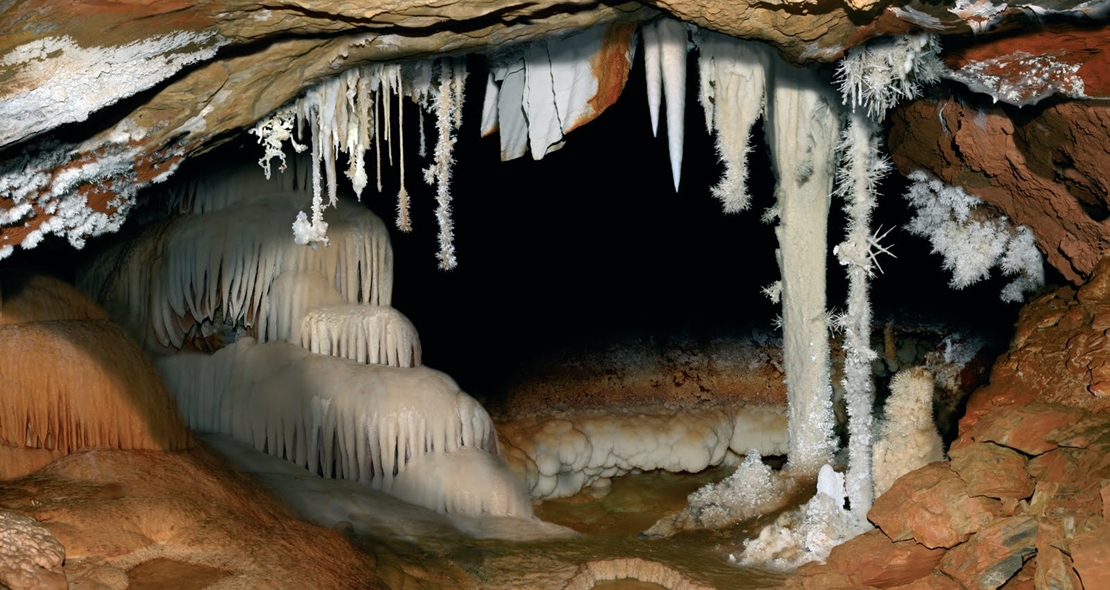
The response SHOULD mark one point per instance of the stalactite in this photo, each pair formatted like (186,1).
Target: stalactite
(345,119)
(403,222)
(665,47)
(653,75)
(802,130)
(733,94)
(377,143)
(451,76)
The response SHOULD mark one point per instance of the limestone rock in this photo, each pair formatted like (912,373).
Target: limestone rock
(932,506)
(993,554)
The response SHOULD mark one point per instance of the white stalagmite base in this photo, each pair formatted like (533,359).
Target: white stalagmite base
(335,417)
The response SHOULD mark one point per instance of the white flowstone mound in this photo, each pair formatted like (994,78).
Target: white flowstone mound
(221,266)
(335,417)
(467,481)
(368,334)
(559,456)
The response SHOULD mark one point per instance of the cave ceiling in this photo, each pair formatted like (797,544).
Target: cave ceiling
(98,99)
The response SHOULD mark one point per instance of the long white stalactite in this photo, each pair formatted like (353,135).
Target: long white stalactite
(802,129)
(665,48)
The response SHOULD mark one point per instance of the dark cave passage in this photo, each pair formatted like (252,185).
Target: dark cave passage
(591,246)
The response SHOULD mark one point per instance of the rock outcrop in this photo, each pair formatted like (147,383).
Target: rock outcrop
(1043,166)
(1041,520)
(1058,354)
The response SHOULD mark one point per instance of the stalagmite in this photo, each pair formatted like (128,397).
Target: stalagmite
(906,439)
(857,183)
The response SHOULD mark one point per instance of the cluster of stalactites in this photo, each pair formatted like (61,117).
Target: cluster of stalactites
(352,110)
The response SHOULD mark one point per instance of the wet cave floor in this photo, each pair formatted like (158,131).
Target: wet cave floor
(610,526)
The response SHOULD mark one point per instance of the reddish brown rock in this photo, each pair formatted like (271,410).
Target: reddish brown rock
(1074,62)
(1090,554)
(1086,432)
(993,471)
(872,559)
(1025,579)
(1069,483)
(1058,354)
(1042,166)
(931,505)
(87,385)
(992,555)
(112,508)
(1054,567)
(933,581)
(1025,428)
(818,576)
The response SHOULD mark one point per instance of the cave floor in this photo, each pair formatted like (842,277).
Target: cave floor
(609,527)
(189,521)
